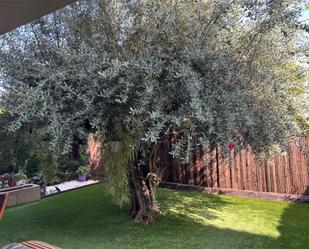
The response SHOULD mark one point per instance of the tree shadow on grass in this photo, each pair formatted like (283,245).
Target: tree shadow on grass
(197,211)
(191,214)
(87,219)
(189,205)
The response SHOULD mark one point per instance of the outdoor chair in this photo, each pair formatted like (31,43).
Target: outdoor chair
(3,201)
(31,244)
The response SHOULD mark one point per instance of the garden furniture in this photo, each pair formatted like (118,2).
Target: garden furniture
(3,201)
(31,244)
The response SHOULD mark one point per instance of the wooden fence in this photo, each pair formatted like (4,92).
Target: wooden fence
(288,174)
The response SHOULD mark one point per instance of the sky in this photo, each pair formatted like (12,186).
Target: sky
(305,16)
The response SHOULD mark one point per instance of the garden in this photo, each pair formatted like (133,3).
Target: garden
(135,93)
(25,157)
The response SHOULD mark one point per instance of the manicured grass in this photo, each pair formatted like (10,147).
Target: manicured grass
(86,218)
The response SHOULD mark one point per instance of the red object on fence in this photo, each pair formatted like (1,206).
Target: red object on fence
(231,146)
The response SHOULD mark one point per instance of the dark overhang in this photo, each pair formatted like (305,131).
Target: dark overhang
(15,13)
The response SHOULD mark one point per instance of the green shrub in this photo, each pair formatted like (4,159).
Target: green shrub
(67,168)
(49,167)
(32,166)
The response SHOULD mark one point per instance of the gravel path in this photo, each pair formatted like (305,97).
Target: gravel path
(67,186)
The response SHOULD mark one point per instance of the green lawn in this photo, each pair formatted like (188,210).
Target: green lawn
(86,218)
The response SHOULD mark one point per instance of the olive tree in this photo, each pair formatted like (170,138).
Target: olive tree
(211,72)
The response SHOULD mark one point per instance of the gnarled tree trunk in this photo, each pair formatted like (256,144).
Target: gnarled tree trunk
(143,182)
(143,190)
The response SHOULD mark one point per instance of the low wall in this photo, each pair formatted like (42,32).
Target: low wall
(22,194)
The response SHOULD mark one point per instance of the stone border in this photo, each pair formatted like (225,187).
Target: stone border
(72,189)
(239,193)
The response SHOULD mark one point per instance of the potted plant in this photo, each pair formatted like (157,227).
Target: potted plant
(83,172)
(5,178)
(20,178)
(11,181)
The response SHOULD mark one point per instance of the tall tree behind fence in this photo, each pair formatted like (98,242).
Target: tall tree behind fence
(287,174)
(95,159)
